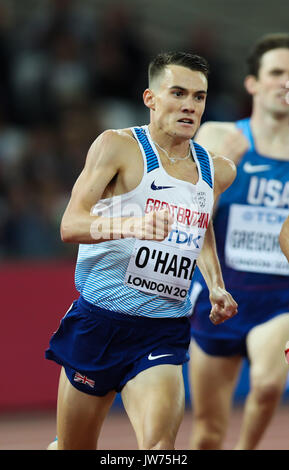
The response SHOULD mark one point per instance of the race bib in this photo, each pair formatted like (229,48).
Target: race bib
(252,242)
(161,268)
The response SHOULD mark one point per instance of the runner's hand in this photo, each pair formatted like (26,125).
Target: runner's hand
(153,226)
(223,305)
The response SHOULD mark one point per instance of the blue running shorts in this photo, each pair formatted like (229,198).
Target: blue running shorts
(229,338)
(102,350)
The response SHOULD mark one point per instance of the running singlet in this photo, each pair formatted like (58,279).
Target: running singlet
(247,229)
(146,277)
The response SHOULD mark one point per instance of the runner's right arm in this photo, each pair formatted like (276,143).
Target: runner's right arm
(104,161)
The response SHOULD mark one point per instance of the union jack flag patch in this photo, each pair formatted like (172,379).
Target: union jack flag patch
(83,379)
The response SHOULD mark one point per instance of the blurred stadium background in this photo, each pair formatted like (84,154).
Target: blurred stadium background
(69,70)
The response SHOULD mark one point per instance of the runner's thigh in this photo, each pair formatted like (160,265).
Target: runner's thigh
(213,379)
(265,344)
(79,416)
(154,401)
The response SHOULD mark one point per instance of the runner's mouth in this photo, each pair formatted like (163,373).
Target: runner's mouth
(186,121)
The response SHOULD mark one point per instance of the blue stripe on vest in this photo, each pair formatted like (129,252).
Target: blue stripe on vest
(203,159)
(152,161)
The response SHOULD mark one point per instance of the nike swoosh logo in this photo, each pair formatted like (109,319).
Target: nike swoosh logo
(153,358)
(249,168)
(157,188)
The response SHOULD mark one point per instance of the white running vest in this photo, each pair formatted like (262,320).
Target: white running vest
(145,277)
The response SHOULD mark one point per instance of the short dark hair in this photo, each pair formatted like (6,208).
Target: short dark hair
(265,44)
(185,59)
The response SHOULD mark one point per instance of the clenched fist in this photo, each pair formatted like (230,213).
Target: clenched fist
(223,305)
(153,226)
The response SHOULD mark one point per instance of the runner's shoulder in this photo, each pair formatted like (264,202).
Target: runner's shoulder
(112,145)
(215,128)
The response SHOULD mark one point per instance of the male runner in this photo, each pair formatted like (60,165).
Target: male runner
(247,226)
(140,211)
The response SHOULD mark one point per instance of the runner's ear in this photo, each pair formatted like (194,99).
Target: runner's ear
(149,99)
(250,84)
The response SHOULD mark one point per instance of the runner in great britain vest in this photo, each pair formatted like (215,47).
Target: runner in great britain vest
(143,277)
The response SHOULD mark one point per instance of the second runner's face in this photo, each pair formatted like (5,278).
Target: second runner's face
(179,101)
(272,81)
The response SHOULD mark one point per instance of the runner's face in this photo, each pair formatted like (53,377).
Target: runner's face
(179,101)
(272,80)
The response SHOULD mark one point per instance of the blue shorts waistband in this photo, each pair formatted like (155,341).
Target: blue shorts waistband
(89,307)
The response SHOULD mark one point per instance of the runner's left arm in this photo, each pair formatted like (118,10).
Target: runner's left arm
(223,304)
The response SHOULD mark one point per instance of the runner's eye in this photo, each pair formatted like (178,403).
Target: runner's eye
(178,93)
(200,97)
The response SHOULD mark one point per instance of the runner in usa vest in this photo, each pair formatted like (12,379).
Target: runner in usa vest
(248,221)
(247,231)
